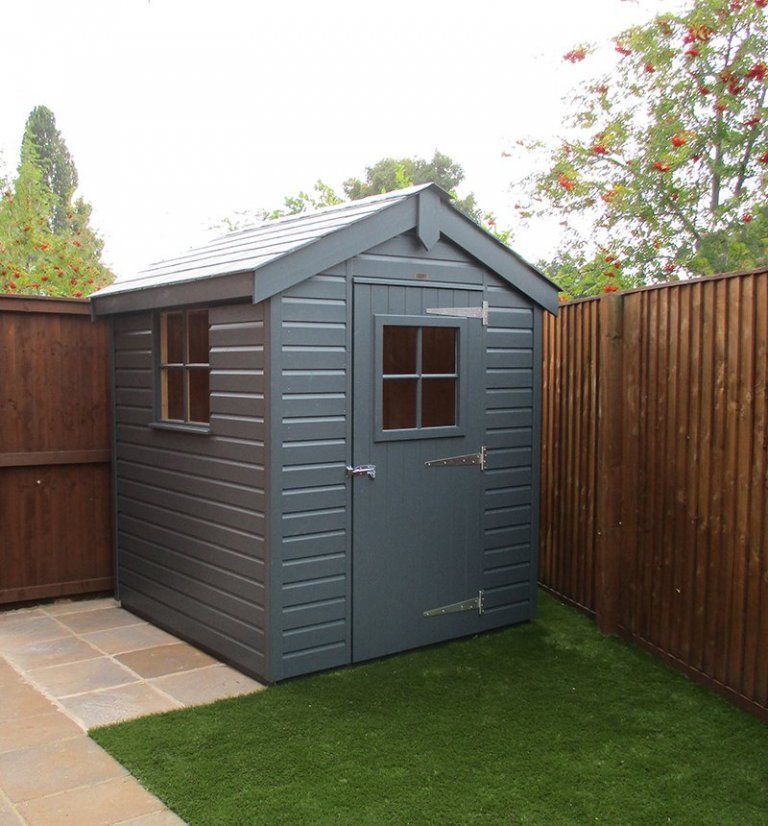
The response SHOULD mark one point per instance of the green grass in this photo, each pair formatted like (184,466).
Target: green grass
(543,723)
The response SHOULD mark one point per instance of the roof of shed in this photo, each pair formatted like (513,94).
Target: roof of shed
(252,247)
(267,243)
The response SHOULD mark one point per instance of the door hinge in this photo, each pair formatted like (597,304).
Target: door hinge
(479,458)
(463,312)
(475,604)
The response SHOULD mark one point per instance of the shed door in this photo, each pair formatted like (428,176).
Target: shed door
(416,529)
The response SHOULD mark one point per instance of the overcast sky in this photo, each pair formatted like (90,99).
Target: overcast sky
(180,112)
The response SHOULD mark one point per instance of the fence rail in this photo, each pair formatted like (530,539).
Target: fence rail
(655,473)
(55,480)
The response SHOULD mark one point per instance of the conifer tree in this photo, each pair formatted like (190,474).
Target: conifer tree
(59,172)
(41,254)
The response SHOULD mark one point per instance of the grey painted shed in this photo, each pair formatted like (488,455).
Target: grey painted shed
(257,382)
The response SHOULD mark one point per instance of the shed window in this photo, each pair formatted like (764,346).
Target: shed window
(419,376)
(184,367)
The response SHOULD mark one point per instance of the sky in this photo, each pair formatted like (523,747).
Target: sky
(181,112)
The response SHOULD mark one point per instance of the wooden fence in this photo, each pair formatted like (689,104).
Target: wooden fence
(655,473)
(55,481)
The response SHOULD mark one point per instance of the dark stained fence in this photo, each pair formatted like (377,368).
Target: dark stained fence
(569,451)
(55,479)
(655,473)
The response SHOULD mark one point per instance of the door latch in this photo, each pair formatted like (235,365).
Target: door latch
(362,470)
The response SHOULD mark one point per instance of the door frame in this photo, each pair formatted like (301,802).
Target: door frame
(472,379)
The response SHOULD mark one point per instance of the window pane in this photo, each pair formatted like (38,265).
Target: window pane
(172,338)
(197,326)
(198,394)
(438,353)
(172,397)
(399,404)
(438,402)
(399,350)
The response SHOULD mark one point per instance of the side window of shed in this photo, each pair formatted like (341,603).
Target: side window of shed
(184,367)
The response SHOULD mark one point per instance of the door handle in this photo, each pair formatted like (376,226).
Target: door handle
(362,470)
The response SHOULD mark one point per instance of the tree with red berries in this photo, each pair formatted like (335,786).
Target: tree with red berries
(663,171)
(47,246)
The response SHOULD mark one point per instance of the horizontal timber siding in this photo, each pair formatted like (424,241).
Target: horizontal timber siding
(190,514)
(310,433)
(309,451)
(510,515)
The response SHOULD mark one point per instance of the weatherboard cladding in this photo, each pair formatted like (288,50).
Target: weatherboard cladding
(510,513)
(309,538)
(310,342)
(190,507)
(240,540)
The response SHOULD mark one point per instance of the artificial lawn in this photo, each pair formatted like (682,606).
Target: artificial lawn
(543,723)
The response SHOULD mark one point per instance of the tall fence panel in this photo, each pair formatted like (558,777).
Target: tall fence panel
(569,451)
(55,480)
(672,534)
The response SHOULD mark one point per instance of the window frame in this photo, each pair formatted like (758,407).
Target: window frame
(186,424)
(443,431)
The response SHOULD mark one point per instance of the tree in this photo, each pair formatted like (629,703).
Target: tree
(59,172)
(664,169)
(35,257)
(385,175)
(397,173)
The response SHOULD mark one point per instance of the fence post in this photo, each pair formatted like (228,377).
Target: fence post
(609,464)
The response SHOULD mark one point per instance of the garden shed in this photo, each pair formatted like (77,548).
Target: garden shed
(327,435)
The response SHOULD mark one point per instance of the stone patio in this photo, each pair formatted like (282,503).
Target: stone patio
(70,666)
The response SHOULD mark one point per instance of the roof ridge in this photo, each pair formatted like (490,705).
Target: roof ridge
(369,199)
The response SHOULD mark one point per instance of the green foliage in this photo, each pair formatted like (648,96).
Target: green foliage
(59,173)
(47,246)
(389,174)
(385,175)
(666,156)
(741,247)
(398,173)
(545,723)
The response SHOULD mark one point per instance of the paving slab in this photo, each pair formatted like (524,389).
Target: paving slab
(9,618)
(55,767)
(128,638)
(32,629)
(60,651)
(76,678)
(75,606)
(102,708)
(8,816)
(20,700)
(16,734)
(165,659)
(206,685)
(99,805)
(74,665)
(8,674)
(99,619)
(166,818)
